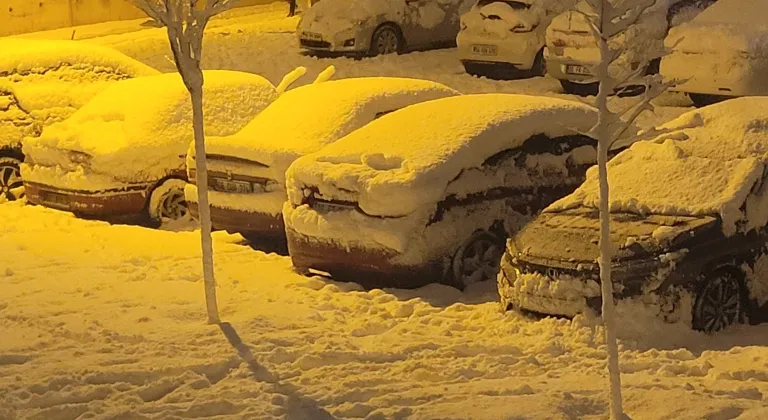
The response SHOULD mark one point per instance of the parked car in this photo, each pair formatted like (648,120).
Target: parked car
(247,169)
(688,227)
(721,53)
(571,49)
(379,26)
(429,193)
(42,82)
(503,39)
(122,155)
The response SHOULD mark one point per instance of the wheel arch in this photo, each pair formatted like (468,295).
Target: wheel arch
(158,183)
(12,152)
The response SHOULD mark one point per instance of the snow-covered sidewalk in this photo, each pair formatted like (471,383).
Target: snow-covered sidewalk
(101,321)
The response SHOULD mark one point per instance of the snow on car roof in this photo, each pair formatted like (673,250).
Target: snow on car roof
(420,149)
(305,119)
(151,118)
(706,165)
(25,55)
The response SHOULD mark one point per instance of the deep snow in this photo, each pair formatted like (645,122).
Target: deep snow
(103,321)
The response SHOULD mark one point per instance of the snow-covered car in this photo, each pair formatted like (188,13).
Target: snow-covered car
(721,53)
(122,155)
(42,82)
(429,193)
(688,227)
(247,170)
(379,26)
(571,50)
(504,38)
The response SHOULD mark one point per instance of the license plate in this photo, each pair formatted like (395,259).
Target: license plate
(238,187)
(54,199)
(325,207)
(580,70)
(484,49)
(311,36)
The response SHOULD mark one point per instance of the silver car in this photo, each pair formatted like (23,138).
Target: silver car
(379,26)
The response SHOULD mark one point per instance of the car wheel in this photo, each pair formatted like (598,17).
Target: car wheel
(700,99)
(11,186)
(580,89)
(167,201)
(386,40)
(718,303)
(477,260)
(539,67)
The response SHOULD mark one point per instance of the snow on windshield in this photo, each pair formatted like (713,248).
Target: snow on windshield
(660,178)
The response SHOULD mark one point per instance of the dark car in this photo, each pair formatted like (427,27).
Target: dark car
(688,227)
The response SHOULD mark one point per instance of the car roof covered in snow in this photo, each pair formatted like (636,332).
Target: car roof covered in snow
(706,164)
(743,12)
(423,147)
(28,55)
(306,118)
(151,118)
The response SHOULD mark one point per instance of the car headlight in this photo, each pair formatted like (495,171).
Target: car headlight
(79,158)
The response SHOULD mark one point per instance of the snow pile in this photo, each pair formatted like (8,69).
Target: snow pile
(54,78)
(139,129)
(305,119)
(413,154)
(710,173)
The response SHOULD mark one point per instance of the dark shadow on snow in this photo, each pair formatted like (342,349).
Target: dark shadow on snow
(297,407)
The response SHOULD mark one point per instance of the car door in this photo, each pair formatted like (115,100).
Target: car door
(427,22)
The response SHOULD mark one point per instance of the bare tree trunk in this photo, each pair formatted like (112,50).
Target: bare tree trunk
(604,141)
(196,92)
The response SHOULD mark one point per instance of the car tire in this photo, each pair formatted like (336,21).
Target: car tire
(579,89)
(386,39)
(719,302)
(167,201)
(701,99)
(11,185)
(477,259)
(539,67)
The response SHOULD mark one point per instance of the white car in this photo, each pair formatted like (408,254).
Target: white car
(721,53)
(122,155)
(504,38)
(376,27)
(429,193)
(42,82)
(571,50)
(247,170)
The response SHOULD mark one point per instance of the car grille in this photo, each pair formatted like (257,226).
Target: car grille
(326,206)
(315,44)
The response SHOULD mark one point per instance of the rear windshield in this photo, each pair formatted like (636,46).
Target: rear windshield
(516,5)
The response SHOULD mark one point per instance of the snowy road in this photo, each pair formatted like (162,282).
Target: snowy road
(101,321)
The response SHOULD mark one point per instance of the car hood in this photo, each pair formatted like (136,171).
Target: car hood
(722,39)
(572,235)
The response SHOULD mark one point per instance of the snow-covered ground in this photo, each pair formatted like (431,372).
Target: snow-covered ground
(107,322)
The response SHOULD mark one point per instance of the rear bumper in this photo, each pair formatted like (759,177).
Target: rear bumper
(243,222)
(129,200)
(371,268)
(518,52)
(714,75)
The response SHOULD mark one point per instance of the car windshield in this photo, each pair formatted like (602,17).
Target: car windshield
(650,179)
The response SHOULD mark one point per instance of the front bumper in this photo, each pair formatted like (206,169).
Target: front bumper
(243,222)
(371,268)
(354,40)
(129,200)
(541,295)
